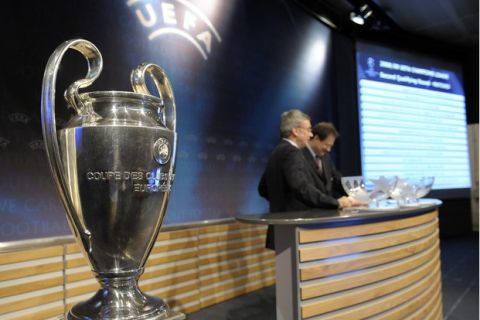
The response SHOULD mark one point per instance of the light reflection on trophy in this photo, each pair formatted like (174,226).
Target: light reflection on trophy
(113,164)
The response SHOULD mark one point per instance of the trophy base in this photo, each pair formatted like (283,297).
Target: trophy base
(173,315)
(124,305)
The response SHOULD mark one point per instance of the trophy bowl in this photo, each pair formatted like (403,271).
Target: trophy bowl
(113,164)
(408,191)
(362,190)
(385,184)
(424,185)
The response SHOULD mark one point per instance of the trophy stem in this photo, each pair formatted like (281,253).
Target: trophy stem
(115,282)
(120,298)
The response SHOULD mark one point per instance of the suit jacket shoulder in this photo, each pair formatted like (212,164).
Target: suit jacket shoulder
(289,184)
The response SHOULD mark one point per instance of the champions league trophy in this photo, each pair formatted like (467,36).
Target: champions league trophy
(113,165)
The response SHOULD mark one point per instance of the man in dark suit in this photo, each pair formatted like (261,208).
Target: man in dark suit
(288,183)
(317,155)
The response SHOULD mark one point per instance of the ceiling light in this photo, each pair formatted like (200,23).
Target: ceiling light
(356,18)
(365,11)
(360,15)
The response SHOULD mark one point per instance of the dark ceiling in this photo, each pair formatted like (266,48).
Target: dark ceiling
(452,23)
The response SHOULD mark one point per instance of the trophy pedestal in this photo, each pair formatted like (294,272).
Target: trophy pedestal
(170,316)
(176,316)
(121,299)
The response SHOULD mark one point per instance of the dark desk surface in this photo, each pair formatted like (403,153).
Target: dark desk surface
(340,217)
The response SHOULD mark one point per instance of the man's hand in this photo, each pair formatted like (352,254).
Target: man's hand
(354,202)
(344,202)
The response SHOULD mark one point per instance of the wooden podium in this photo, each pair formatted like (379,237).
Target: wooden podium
(357,264)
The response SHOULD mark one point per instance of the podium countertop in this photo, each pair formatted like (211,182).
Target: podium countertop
(341,216)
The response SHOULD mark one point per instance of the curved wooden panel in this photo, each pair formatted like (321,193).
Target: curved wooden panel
(165,271)
(32,302)
(48,313)
(227,227)
(31,279)
(371,292)
(43,283)
(162,247)
(30,270)
(369,259)
(232,283)
(154,261)
(312,235)
(233,245)
(266,257)
(78,276)
(169,281)
(364,277)
(421,305)
(238,234)
(232,260)
(31,286)
(388,270)
(388,302)
(72,248)
(226,256)
(233,274)
(76,262)
(31,255)
(83,289)
(178,234)
(366,243)
(437,313)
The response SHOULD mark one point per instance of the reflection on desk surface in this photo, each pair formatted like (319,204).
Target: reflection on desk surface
(389,209)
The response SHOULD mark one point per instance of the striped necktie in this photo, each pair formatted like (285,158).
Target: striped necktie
(318,160)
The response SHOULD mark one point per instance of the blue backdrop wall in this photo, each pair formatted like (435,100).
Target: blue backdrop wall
(234,66)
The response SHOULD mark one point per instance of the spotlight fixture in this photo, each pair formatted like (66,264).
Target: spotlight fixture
(356,18)
(361,15)
(365,11)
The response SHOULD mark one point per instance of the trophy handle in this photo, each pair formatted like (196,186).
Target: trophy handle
(169,114)
(95,63)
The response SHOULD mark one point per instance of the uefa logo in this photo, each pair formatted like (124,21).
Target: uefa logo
(18,117)
(161,151)
(36,145)
(371,72)
(4,142)
(180,18)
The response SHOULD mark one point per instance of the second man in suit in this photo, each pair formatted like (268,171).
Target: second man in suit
(317,154)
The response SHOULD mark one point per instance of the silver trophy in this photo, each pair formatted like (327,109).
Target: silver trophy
(113,165)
